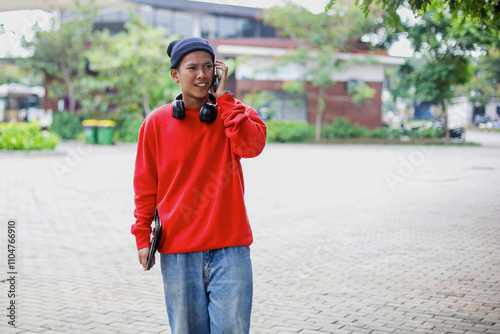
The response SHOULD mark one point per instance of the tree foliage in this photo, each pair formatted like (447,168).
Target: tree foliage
(484,13)
(445,51)
(121,76)
(360,92)
(57,53)
(12,73)
(132,70)
(485,84)
(319,37)
(341,28)
(443,59)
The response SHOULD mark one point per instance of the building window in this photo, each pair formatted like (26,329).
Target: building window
(209,27)
(265,30)
(147,13)
(227,27)
(283,106)
(113,15)
(183,23)
(289,106)
(180,22)
(249,28)
(112,19)
(163,18)
(233,27)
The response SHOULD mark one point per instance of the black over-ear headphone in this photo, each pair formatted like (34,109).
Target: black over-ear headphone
(208,112)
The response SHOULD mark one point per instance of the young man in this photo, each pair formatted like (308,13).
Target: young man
(188,167)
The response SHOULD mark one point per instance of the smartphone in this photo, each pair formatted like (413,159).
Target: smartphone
(216,80)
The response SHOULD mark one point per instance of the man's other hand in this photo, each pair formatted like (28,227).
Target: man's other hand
(143,257)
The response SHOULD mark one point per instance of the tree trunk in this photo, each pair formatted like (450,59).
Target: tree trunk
(71,90)
(319,113)
(145,104)
(445,122)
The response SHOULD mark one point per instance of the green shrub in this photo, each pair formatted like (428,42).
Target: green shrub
(129,129)
(357,131)
(26,136)
(287,131)
(394,134)
(80,136)
(431,133)
(380,132)
(67,125)
(342,128)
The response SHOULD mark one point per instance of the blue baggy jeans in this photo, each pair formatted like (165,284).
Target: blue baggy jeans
(208,292)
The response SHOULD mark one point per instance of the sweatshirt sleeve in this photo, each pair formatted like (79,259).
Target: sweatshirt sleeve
(244,128)
(145,184)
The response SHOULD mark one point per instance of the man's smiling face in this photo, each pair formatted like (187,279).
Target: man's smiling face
(194,75)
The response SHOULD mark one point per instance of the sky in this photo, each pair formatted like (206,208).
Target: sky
(15,25)
(19,23)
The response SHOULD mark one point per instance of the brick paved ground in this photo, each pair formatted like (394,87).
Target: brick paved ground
(348,239)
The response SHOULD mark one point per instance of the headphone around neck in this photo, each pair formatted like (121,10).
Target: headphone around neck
(208,112)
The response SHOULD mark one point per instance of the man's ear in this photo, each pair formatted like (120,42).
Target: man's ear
(175,75)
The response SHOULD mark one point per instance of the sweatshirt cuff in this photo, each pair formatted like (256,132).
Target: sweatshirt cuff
(226,98)
(142,237)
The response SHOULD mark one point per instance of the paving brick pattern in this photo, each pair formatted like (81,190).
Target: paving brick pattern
(348,239)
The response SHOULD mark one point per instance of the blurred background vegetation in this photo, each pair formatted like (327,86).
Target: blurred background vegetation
(123,76)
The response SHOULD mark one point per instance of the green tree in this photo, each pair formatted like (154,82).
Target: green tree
(319,37)
(442,60)
(12,73)
(483,13)
(401,86)
(132,70)
(485,84)
(58,52)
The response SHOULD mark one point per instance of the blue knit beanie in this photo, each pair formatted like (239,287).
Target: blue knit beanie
(179,48)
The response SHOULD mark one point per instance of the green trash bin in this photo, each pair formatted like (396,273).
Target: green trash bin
(90,130)
(105,131)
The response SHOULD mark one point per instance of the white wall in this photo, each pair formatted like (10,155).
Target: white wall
(264,68)
(263,60)
(491,109)
(460,112)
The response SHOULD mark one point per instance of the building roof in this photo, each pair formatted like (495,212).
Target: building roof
(276,47)
(270,42)
(195,6)
(20,90)
(211,8)
(6,6)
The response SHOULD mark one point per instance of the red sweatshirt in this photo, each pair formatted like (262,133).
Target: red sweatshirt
(191,171)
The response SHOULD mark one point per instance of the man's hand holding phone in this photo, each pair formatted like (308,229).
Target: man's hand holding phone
(220,78)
